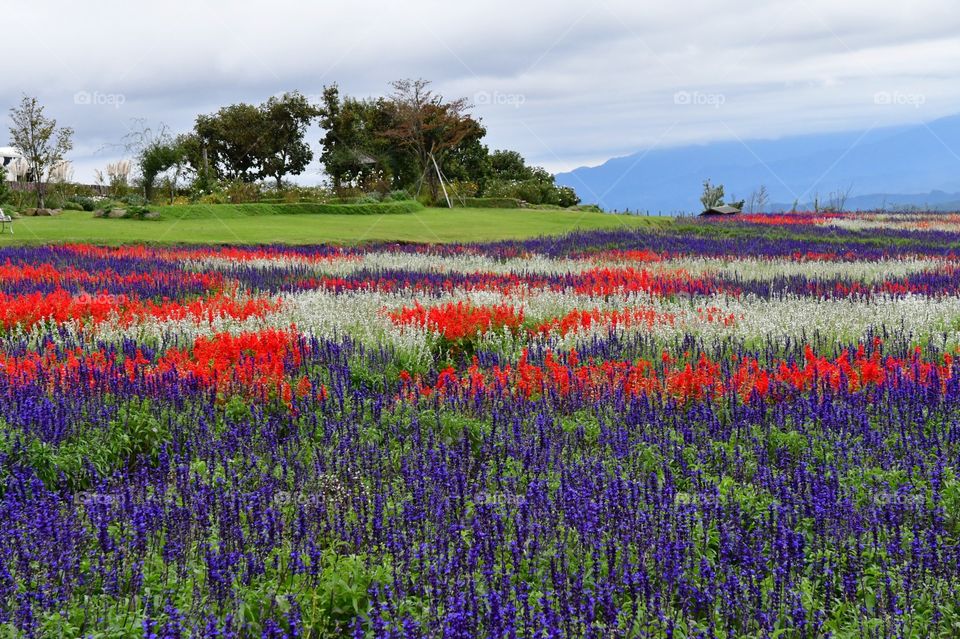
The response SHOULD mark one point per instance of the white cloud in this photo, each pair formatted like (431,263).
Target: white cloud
(564,83)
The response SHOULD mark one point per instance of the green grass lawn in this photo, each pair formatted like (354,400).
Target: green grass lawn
(231,226)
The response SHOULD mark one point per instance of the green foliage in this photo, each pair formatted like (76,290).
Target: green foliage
(540,189)
(397,195)
(491,203)
(509,166)
(283,150)
(232,211)
(4,187)
(244,142)
(229,140)
(240,192)
(341,593)
(161,155)
(712,195)
(135,437)
(85,203)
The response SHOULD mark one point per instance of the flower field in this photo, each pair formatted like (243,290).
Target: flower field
(718,428)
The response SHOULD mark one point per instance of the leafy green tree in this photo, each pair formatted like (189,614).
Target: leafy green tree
(161,156)
(229,142)
(283,150)
(469,161)
(567,196)
(37,138)
(712,195)
(509,165)
(350,146)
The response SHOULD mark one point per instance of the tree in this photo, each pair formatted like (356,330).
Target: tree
(712,195)
(838,199)
(758,200)
(39,141)
(166,155)
(157,152)
(509,165)
(247,143)
(427,127)
(229,141)
(285,122)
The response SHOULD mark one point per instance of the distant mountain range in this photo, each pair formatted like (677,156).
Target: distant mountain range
(891,167)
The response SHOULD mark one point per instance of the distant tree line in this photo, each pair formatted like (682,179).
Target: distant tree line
(413,141)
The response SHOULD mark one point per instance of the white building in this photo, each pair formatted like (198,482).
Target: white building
(7,155)
(13,162)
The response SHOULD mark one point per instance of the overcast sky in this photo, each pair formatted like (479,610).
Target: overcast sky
(566,84)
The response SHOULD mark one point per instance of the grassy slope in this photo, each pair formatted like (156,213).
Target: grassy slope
(226,226)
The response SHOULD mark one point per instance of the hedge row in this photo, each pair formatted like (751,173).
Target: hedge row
(369,208)
(488,203)
(197,211)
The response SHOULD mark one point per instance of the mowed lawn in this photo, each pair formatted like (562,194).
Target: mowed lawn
(223,225)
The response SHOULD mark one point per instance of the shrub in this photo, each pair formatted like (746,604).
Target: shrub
(397,196)
(239,192)
(591,208)
(199,211)
(369,198)
(80,203)
(213,198)
(369,208)
(4,187)
(137,212)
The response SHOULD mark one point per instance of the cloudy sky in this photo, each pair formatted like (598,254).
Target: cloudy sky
(566,84)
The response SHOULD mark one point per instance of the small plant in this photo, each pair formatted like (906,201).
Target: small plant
(85,203)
